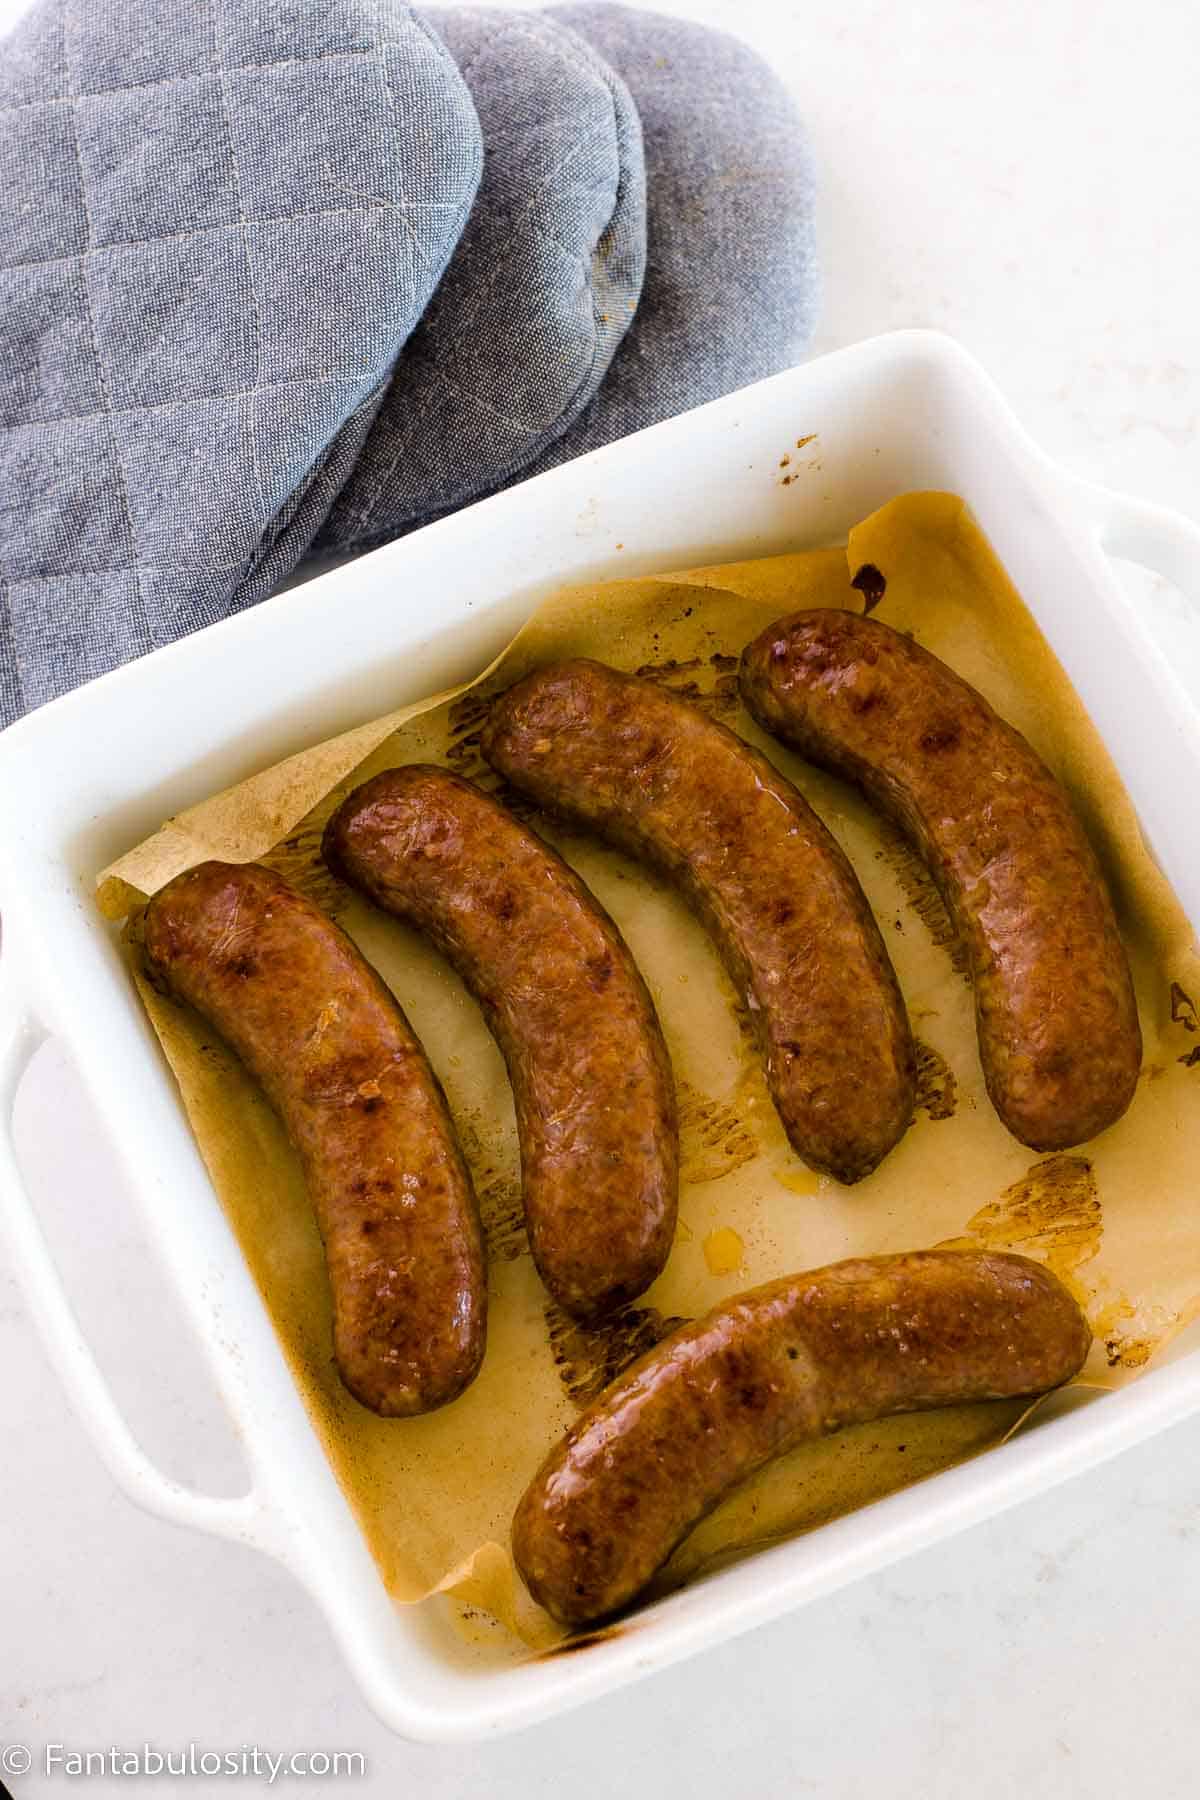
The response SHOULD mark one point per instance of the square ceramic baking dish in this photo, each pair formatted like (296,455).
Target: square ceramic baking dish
(85,778)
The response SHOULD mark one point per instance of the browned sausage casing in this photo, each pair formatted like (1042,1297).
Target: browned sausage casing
(338,1060)
(763,1372)
(1058,1027)
(658,778)
(561,994)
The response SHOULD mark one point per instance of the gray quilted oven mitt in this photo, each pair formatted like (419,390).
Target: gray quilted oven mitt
(731,282)
(540,290)
(220,223)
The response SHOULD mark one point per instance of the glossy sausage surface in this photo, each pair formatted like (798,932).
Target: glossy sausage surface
(1059,1038)
(562,995)
(659,779)
(789,1361)
(332,1049)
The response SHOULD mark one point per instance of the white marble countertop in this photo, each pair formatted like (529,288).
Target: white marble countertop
(1026,177)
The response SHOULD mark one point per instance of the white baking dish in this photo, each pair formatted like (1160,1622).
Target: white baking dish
(83,779)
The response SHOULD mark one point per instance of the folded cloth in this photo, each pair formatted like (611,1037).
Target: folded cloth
(538,294)
(731,286)
(222,221)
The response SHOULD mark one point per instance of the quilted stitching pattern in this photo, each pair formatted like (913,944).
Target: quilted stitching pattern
(222,222)
(539,292)
(731,279)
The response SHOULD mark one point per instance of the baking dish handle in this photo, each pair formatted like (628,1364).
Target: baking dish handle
(1140,531)
(242,1517)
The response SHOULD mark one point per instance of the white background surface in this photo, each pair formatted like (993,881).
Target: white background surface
(1025,176)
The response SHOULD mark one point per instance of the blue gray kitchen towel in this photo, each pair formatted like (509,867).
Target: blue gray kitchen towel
(220,225)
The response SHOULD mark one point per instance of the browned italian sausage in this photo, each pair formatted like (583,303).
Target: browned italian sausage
(789,1361)
(658,778)
(323,1035)
(1057,1020)
(560,992)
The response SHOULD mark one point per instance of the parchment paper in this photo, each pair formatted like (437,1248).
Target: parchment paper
(1115,1219)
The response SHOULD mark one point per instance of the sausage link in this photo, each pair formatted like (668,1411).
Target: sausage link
(1058,1029)
(322,1034)
(591,1078)
(665,783)
(783,1363)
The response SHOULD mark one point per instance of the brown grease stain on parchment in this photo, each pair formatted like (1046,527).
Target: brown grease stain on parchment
(937,1090)
(1052,1213)
(434,1496)
(715,1137)
(921,895)
(1130,1333)
(498,1191)
(589,1357)
(871,584)
(724,1251)
(709,684)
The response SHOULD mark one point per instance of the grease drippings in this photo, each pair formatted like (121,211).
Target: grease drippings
(1053,1213)
(1183,1012)
(724,1251)
(937,1090)
(502,1214)
(713,1139)
(1123,1348)
(871,584)
(798,1180)
(709,684)
(922,895)
(465,720)
(499,1195)
(589,1357)
(1183,1009)
(299,861)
